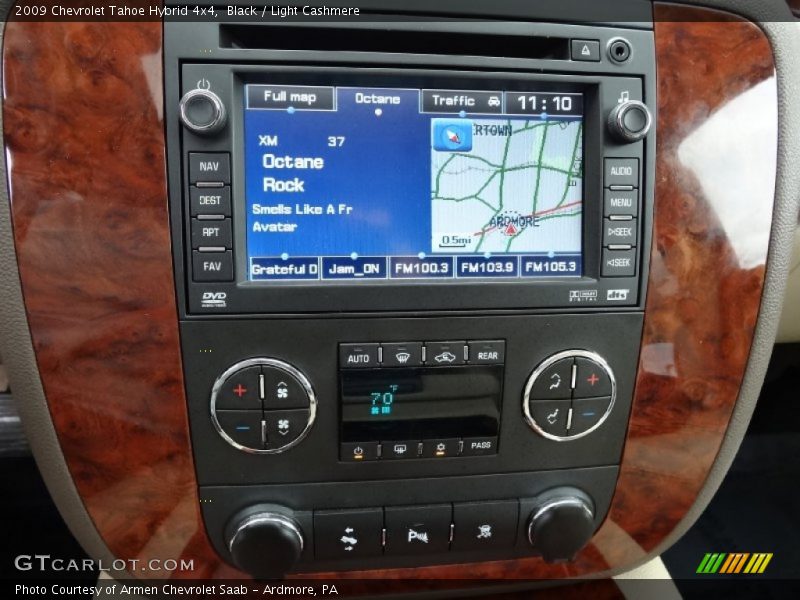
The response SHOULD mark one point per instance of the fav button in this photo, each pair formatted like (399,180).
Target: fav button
(418,529)
(408,354)
(554,381)
(478,525)
(587,412)
(358,356)
(348,533)
(551,415)
(591,379)
(212,266)
(240,391)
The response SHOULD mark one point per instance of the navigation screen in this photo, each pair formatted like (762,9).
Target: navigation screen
(347,183)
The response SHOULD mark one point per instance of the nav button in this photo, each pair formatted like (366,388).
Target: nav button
(358,356)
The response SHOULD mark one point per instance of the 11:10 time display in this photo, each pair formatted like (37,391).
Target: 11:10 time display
(557,104)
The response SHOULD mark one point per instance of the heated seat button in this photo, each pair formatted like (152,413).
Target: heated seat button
(418,529)
(551,416)
(554,381)
(240,391)
(348,533)
(591,379)
(282,390)
(242,426)
(358,451)
(587,412)
(479,525)
(284,426)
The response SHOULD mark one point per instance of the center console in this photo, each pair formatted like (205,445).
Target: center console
(411,286)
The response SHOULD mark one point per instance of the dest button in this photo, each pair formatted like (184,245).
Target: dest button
(240,391)
(418,529)
(348,533)
(479,525)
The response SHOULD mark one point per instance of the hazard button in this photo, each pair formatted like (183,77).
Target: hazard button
(586,50)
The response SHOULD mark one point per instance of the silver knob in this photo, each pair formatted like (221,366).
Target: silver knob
(264,543)
(202,112)
(630,121)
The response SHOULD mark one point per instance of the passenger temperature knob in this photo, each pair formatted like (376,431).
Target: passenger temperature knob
(265,541)
(561,523)
(629,121)
(202,112)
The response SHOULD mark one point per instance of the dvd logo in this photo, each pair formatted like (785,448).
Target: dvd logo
(214,300)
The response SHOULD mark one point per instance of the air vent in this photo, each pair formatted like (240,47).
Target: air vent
(258,37)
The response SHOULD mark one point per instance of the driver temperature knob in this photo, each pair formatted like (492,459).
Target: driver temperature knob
(561,523)
(264,541)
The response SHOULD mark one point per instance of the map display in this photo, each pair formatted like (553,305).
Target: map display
(345,183)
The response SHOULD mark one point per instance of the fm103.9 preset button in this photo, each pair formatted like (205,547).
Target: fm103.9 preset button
(263,406)
(569,395)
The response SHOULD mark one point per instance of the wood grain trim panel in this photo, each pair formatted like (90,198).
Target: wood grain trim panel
(85,147)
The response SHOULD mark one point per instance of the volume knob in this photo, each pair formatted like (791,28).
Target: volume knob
(202,112)
(630,121)
(561,523)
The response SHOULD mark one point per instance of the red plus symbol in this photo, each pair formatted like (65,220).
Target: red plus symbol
(240,390)
(593,379)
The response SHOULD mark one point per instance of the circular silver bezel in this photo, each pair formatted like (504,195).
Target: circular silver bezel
(544,365)
(267,518)
(270,362)
(611,56)
(214,125)
(555,504)
(619,114)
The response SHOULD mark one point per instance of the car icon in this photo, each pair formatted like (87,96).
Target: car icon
(494,101)
(445,357)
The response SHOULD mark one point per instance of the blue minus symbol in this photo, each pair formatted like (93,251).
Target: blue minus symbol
(243,428)
(589,413)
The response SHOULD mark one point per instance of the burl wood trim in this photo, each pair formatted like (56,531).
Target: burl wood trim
(85,147)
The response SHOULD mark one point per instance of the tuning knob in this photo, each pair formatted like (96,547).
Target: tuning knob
(202,112)
(630,121)
(561,523)
(265,541)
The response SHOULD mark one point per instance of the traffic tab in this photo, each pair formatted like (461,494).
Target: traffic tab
(455,101)
(282,97)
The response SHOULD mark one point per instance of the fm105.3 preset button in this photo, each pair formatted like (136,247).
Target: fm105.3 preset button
(580,402)
(263,406)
